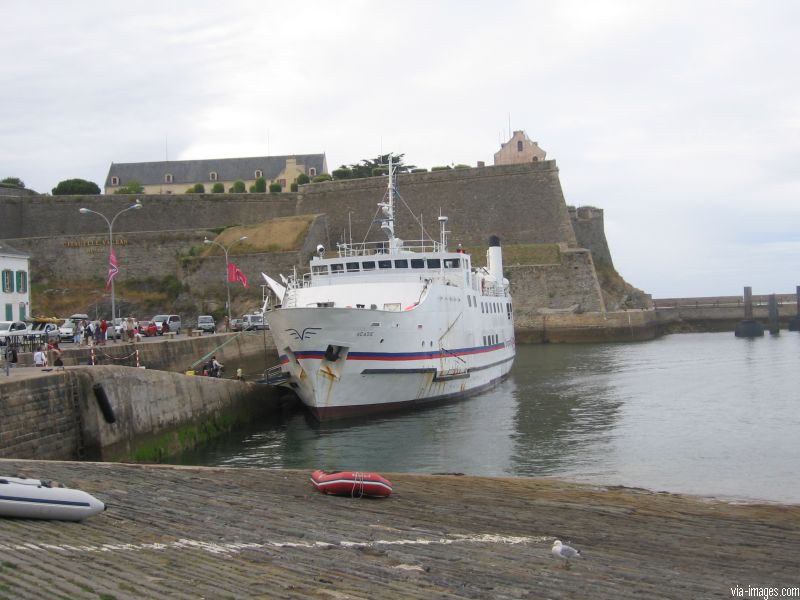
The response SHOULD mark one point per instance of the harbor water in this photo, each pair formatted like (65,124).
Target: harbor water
(705,414)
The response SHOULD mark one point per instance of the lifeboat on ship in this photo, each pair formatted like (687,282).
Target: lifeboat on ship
(351,483)
(40,499)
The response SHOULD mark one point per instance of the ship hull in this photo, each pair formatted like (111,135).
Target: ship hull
(346,362)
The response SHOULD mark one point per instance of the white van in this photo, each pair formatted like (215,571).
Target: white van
(250,322)
(173,323)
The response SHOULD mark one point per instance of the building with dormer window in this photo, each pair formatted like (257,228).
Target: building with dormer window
(176,176)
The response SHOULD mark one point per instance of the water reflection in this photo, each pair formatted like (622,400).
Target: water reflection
(697,413)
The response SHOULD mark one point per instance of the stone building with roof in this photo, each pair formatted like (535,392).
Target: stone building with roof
(15,291)
(519,149)
(175,176)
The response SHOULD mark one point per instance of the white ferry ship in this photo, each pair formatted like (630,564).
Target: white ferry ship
(385,325)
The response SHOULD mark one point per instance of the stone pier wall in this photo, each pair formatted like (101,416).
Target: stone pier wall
(56,415)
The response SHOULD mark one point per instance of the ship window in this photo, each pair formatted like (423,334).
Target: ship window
(352,267)
(384,264)
(401,264)
(337,268)
(319,270)
(368,265)
(433,263)
(451,263)
(417,263)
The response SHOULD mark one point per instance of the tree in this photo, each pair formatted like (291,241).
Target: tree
(133,187)
(218,188)
(70,187)
(238,187)
(367,167)
(260,185)
(13,182)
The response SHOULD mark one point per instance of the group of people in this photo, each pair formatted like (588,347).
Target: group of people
(90,332)
(41,358)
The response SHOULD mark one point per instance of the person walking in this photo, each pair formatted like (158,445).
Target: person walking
(103,331)
(77,332)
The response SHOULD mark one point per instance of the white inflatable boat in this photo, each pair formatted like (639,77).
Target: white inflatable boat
(39,499)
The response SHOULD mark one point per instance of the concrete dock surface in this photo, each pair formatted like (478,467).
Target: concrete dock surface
(201,532)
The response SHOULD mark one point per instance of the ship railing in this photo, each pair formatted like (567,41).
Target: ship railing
(375,248)
(275,375)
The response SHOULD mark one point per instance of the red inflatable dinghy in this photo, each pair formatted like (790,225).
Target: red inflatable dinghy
(351,483)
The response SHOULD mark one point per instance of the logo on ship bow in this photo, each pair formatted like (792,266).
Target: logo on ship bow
(305,334)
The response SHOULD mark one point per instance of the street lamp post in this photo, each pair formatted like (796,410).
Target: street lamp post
(85,211)
(227,283)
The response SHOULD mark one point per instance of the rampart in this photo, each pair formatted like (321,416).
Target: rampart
(523,204)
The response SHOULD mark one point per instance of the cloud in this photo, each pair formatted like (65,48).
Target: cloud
(680,119)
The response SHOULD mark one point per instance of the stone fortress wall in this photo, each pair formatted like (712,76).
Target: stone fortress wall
(522,203)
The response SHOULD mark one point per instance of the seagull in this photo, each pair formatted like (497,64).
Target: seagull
(566,552)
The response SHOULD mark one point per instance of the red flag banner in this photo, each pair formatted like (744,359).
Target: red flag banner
(113,268)
(235,274)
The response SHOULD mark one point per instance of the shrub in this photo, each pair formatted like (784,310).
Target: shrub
(199,188)
(13,182)
(343,173)
(419,170)
(275,188)
(293,187)
(445,168)
(133,187)
(261,185)
(76,187)
(378,171)
(303,179)
(237,187)
(321,178)
(218,188)
(461,166)
(252,189)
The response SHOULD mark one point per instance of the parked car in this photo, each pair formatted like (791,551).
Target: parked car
(206,323)
(47,328)
(66,332)
(237,324)
(173,323)
(10,329)
(251,322)
(148,329)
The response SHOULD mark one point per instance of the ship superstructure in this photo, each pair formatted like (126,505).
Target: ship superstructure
(387,324)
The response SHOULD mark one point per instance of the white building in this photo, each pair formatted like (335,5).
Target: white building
(15,292)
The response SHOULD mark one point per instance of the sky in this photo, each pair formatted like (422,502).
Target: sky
(680,119)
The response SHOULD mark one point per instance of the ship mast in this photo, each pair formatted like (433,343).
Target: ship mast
(387,207)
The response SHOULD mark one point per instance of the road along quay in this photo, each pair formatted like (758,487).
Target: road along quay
(202,532)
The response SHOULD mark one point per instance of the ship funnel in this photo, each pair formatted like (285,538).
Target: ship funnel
(494,259)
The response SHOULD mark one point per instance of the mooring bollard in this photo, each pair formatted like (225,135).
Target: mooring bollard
(748,328)
(794,322)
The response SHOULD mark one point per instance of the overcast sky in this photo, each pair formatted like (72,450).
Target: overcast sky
(680,119)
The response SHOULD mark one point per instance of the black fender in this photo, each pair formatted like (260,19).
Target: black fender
(103,403)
